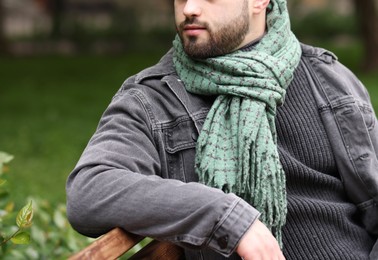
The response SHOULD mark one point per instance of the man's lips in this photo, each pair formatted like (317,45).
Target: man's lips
(193,30)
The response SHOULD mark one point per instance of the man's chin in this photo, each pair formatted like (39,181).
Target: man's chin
(196,52)
(201,52)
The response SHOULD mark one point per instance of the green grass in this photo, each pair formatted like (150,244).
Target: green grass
(50,107)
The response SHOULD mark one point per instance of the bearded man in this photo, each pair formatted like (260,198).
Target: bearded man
(240,143)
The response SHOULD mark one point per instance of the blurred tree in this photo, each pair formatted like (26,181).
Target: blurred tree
(55,8)
(3,41)
(367,13)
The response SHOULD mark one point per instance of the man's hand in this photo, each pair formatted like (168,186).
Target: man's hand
(259,244)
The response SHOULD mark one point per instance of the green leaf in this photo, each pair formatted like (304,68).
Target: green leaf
(4,158)
(59,219)
(21,238)
(2,182)
(4,194)
(25,216)
(9,207)
(39,236)
(3,213)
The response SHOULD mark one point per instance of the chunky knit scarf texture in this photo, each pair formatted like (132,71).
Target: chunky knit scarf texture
(236,150)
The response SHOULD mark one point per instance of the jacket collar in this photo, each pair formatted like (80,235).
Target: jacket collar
(162,68)
(310,51)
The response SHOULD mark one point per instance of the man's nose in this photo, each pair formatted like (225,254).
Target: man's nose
(192,8)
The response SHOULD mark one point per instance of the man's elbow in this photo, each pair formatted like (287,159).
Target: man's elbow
(82,219)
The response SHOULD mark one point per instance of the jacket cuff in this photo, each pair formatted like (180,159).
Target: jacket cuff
(232,227)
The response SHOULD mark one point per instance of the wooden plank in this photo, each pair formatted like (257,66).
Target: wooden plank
(109,246)
(157,250)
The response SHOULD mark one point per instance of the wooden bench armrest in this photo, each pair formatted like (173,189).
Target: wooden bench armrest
(117,241)
(158,250)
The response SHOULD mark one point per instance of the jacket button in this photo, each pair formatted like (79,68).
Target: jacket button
(223,242)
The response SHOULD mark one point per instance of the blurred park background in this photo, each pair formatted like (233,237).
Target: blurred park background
(61,61)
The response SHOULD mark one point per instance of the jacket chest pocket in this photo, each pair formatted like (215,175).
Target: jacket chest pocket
(367,114)
(180,142)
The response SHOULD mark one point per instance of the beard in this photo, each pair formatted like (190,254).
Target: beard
(224,40)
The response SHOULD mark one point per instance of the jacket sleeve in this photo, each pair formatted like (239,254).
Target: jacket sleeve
(370,208)
(365,141)
(351,125)
(116,183)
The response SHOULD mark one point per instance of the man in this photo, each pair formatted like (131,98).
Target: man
(240,143)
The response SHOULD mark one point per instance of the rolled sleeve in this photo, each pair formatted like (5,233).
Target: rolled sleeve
(232,227)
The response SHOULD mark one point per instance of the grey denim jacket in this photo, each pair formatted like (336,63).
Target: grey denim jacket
(137,171)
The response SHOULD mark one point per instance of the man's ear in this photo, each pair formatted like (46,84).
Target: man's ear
(260,5)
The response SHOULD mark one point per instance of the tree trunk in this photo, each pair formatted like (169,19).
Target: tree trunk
(3,40)
(367,14)
(56,10)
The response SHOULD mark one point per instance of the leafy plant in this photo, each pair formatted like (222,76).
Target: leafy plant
(18,234)
(23,221)
(50,236)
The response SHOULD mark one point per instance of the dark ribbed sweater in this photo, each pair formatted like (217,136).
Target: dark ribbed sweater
(321,223)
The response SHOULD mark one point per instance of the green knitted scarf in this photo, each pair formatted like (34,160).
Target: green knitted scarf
(236,150)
